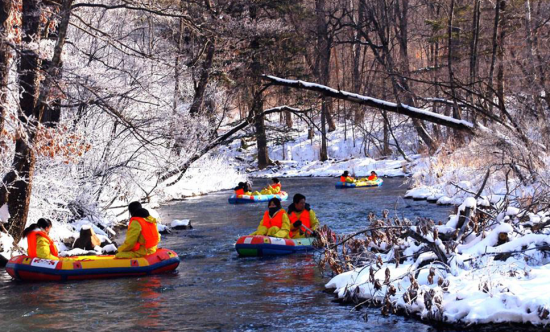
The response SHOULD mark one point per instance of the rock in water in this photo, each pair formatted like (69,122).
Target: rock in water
(181,224)
(3,261)
(88,240)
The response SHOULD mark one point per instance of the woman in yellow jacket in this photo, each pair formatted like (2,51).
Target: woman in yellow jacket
(142,237)
(39,242)
(275,221)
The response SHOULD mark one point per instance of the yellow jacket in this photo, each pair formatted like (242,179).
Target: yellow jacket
(314,222)
(134,236)
(43,248)
(275,231)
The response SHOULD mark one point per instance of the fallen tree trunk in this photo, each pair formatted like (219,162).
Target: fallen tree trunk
(413,112)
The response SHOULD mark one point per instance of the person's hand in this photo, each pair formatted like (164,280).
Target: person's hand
(297,223)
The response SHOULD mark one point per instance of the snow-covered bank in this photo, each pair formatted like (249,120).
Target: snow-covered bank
(207,175)
(495,261)
(490,278)
(296,155)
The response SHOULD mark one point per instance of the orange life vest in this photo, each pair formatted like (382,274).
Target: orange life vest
(276,220)
(148,230)
(239,192)
(304,217)
(276,185)
(343,178)
(372,177)
(31,242)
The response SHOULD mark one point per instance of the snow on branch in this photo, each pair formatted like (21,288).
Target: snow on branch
(407,110)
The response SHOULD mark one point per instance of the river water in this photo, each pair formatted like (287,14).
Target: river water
(213,289)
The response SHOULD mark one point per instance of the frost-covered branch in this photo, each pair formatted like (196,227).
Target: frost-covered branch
(403,109)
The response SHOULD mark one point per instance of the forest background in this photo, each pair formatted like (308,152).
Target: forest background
(105,102)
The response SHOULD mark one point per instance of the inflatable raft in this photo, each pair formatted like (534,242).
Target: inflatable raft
(259,245)
(238,199)
(376,183)
(90,267)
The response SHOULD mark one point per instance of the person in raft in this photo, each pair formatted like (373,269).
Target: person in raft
(39,242)
(239,189)
(275,221)
(373,176)
(142,237)
(303,222)
(273,188)
(346,178)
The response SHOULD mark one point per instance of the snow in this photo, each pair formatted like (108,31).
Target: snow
(4,214)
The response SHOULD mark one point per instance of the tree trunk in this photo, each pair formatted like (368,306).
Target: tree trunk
(261,139)
(288,119)
(322,69)
(200,89)
(403,40)
(500,56)
(490,88)
(18,182)
(450,56)
(358,115)
(33,105)
(5,12)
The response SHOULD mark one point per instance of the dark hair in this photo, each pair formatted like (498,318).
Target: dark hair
(239,186)
(133,207)
(372,172)
(297,198)
(276,201)
(142,213)
(346,173)
(276,180)
(41,223)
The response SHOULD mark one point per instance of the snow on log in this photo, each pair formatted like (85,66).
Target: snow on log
(407,110)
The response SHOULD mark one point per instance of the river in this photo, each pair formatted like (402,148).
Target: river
(214,289)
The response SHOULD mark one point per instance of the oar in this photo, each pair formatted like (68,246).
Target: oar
(307,229)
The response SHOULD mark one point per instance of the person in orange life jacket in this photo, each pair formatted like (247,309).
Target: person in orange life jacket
(142,237)
(275,221)
(239,190)
(373,176)
(273,188)
(346,178)
(39,242)
(300,214)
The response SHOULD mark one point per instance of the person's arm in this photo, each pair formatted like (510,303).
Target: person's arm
(285,228)
(43,249)
(313,220)
(131,237)
(262,230)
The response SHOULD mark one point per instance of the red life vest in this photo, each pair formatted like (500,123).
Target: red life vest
(276,220)
(342,179)
(304,217)
(31,242)
(148,230)
(239,192)
(372,177)
(276,185)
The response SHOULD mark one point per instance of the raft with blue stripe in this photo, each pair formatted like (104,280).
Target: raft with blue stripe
(259,245)
(240,199)
(343,185)
(90,267)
